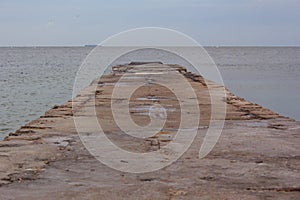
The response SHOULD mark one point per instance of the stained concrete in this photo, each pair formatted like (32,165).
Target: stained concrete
(256,157)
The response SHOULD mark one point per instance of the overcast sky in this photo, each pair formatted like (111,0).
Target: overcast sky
(210,22)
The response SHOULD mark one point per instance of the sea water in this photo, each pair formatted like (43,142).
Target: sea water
(34,79)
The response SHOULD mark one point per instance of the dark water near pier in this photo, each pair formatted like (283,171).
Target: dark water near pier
(32,80)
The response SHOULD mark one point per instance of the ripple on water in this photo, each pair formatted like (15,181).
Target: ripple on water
(32,80)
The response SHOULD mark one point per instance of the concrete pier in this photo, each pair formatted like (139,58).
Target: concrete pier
(256,157)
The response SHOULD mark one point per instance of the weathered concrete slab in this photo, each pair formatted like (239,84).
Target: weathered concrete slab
(257,156)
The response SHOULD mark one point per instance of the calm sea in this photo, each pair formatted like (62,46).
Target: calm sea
(32,80)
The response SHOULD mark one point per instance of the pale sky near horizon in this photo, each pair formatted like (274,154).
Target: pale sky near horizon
(210,22)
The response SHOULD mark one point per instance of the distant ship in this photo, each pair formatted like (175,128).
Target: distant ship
(90,45)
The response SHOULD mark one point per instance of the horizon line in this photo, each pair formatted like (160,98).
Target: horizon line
(94,45)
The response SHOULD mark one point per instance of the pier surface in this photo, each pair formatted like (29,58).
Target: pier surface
(256,157)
